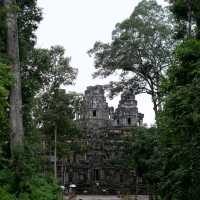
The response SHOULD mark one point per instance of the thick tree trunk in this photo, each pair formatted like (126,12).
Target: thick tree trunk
(16,120)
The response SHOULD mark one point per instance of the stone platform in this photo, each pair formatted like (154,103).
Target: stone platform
(108,197)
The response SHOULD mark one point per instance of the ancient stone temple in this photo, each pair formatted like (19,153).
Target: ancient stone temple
(96,112)
(99,168)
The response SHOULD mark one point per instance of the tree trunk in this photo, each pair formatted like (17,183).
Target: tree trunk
(136,188)
(62,172)
(189,4)
(55,153)
(155,106)
(154,98)
(15,115)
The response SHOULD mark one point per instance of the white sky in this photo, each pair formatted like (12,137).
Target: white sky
(76,25)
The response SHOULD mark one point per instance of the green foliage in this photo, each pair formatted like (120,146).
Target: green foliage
(29,16)
(143,153)
(2,29)
(146,153)
(57,110)
(5,83)
(6,177)
(140,51)
(21,178)
(39,188)
(5,195)
(35,187)
(187,68)
(46,70)
(180,121)
(187,14)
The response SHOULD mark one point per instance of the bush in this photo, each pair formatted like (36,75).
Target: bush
(5,195)
(39,188)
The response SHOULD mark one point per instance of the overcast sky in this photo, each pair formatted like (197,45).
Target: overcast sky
(76,25)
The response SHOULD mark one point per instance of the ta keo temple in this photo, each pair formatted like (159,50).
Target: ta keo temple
(100,168)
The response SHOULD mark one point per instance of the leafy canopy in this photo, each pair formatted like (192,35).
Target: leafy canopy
(187,14)
(140,51)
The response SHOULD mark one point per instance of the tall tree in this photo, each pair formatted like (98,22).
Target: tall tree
(52,70)
(29,16)
(54,113)
(140,51)
(16,119)
(180,121)
(19,20)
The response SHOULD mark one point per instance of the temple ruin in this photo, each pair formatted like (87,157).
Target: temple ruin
(100,168)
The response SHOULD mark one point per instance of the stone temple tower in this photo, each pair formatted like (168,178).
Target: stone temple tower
(95,110)
(127,115)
